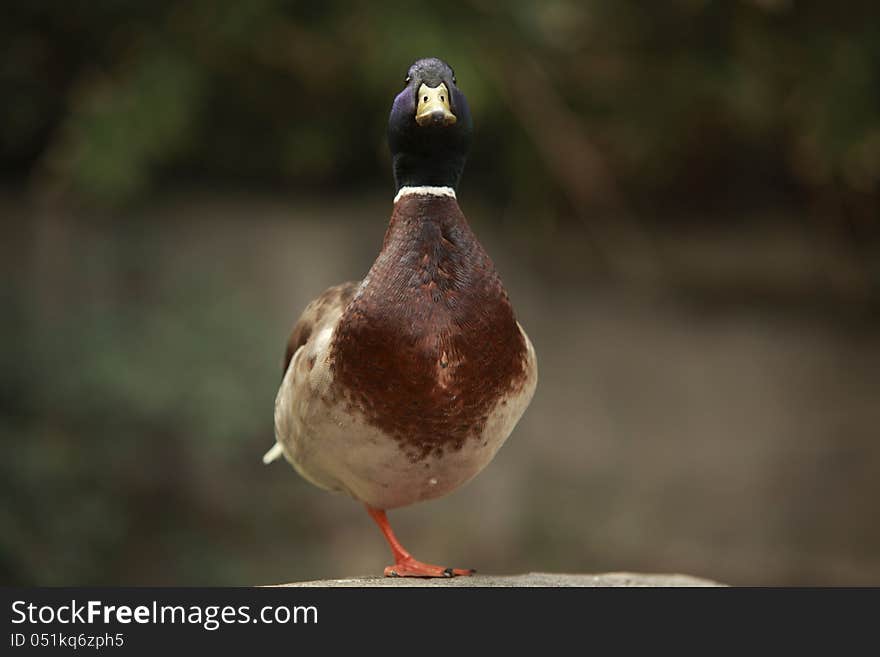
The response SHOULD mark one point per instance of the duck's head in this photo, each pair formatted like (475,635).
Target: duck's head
(429,130)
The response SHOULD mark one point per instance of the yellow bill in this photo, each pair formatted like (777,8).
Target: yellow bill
(433,106)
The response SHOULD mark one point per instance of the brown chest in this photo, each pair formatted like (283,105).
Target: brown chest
(430,346)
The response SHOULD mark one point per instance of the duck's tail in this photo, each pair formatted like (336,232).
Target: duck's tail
(273,453)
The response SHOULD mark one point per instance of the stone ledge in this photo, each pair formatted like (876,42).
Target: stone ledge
(524,580)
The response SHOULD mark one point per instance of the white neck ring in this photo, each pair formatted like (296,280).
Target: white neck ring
(425,191)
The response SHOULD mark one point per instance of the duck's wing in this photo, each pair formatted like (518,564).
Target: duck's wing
(323,311)
(330,303)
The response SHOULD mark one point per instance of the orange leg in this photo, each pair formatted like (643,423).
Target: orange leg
(405,565)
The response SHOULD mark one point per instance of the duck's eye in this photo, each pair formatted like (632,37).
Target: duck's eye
(425,99)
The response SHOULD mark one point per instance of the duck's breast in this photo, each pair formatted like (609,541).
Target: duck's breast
(430,344)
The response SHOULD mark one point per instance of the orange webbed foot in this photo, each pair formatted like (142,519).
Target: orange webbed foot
(415,568)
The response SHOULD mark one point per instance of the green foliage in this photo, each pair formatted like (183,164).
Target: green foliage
(122,127)
(122,96)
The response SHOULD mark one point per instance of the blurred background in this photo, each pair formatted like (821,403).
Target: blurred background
(683,199)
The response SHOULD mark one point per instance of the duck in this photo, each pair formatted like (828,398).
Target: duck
(401,387)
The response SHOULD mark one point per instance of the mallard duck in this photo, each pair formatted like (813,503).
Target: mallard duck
(402,387)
